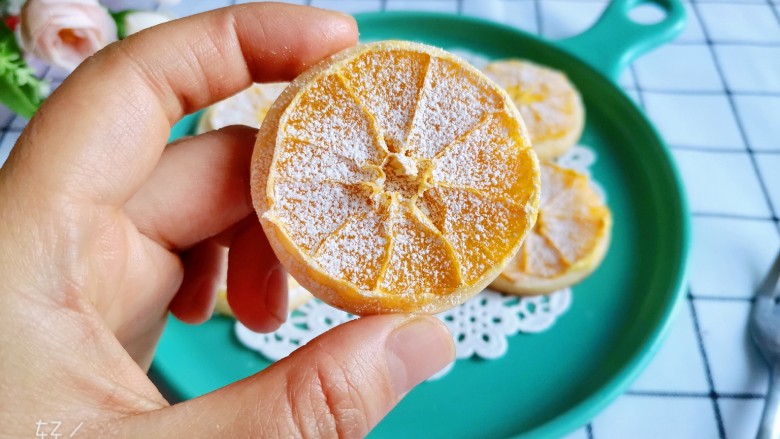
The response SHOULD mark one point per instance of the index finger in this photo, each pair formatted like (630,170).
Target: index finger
(102,132)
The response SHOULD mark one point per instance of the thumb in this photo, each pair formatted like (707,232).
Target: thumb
(340,384)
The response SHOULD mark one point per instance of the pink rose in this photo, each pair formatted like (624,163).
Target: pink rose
(66,32)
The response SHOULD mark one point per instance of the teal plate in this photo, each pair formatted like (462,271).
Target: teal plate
(550,383)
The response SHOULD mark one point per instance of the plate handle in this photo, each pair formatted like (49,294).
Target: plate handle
(616,39)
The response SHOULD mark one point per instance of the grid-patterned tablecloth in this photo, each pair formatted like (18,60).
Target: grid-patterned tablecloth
(714,94)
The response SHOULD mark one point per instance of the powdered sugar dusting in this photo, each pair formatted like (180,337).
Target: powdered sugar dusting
(356,251)
(303,161)
(564,191)
(451,103)
(373,77)
(488,159)
(572,219)
(312,211)
(329,117)
(571,223)
(540,258)
(552,184)
(544,97)
(419,262)
(574,238)
(473,224)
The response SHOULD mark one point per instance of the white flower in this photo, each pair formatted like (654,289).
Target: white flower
(138,21)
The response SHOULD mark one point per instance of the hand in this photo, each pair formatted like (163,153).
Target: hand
(103,229)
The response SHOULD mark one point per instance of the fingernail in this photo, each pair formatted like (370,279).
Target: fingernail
(276,293)
(416,350)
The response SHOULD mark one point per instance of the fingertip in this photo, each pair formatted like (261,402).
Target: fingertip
(257,283)
(339,32)
(192,316)
(345,27)
(195,304)
(416,350)
(204,266)
(276,298)
(293,38)
(241,133)
(336,26)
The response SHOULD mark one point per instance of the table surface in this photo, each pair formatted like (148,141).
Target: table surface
(714,94)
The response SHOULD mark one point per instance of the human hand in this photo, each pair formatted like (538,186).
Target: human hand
(103,229)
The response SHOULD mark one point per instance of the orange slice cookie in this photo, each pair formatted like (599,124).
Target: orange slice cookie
(569,240)
(550,105)
(394,177)
(246,108)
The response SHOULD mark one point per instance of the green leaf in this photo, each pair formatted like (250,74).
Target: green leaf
(17,99)
(20,89)
(119,18)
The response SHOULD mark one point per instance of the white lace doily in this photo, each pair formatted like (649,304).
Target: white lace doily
(480,326)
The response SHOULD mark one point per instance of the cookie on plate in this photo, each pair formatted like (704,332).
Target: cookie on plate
(551,106)
(246,108)
(569,240)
